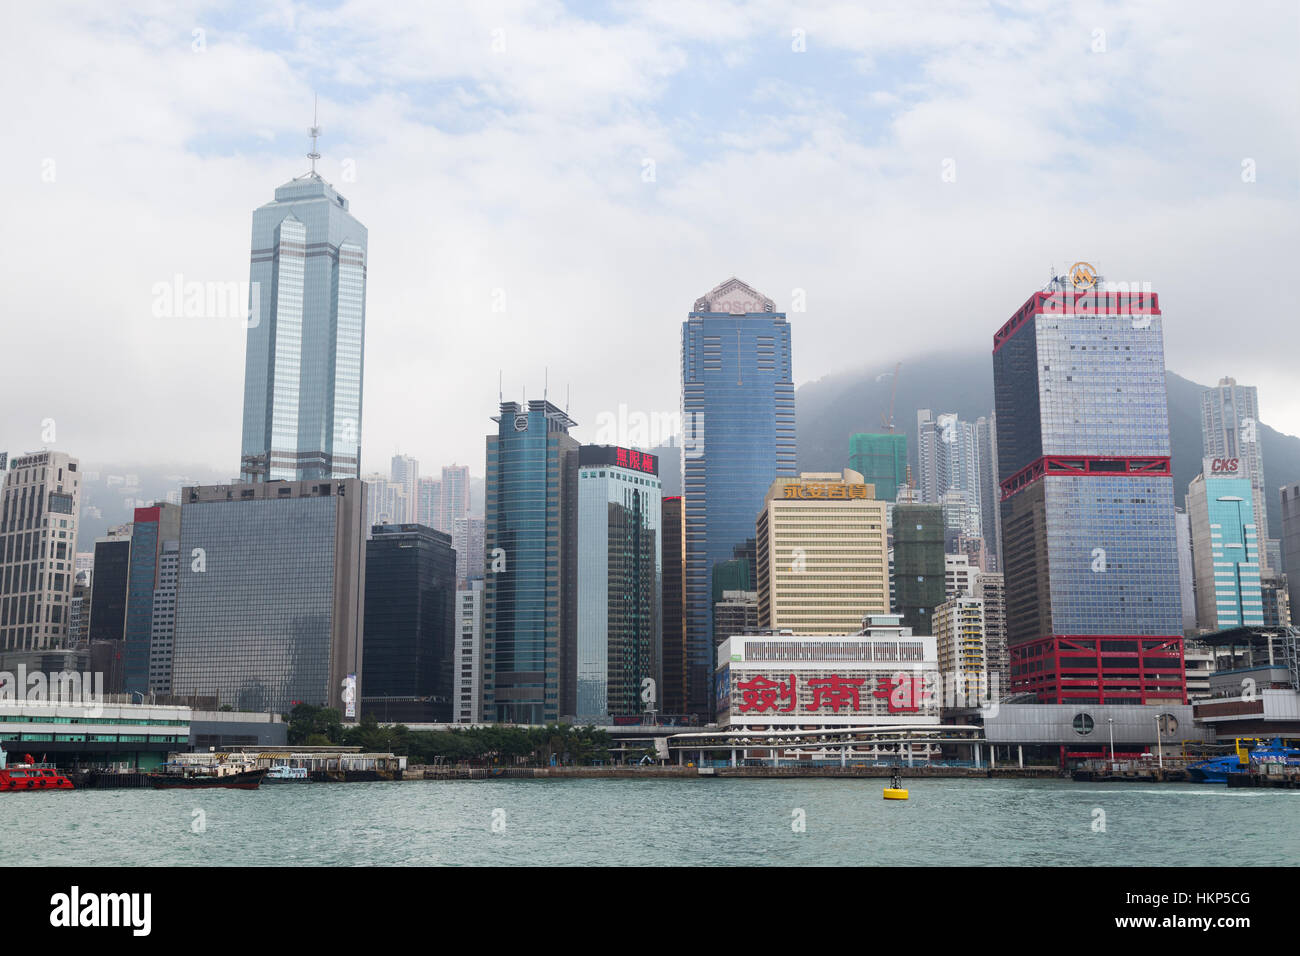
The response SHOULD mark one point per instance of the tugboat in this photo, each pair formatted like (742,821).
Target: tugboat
(1219,769)
(283,773)
(219,773)
(30,775)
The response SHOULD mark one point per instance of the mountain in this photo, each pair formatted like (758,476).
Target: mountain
(832,408)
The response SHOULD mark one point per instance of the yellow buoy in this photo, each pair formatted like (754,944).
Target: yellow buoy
(892,793)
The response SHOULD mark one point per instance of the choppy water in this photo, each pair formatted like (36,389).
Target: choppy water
(656,822)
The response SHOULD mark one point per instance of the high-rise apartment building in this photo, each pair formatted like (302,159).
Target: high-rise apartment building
(991,590)
(162,627)
(738,423)
(986,442)
(154,527)
(530,545)
(963,657)
(453,496)
(39,508)
(306,334)
(620,573)
(1088,540)
(469,654)
(959,576)
(1291,543)
(270,605)
(410,625)
(920,565)
(952,463)
(467,539)
(428,505)
(405,471)
(386,501)
(672,691)
(1230,431)
(1225,548)
(823,554)
(881,460)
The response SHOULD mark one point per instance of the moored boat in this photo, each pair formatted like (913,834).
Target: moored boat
(1248,751)
(217,771)
(30,775)
(282,773)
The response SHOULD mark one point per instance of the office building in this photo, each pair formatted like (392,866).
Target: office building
(986,442)
(428,505)
(881,460)
(468,669)
(823,554)
(530,548)
(1186,571)
(1291,541)
(271,603)
(1090,557)
(108,589)
(409,636)
(620,574)
(734,612)
(1225,548)
(38,541)
(672,691)
(920,565)
(154,527)
(385,500)
(1277,604)
(306,334)
(738,422)
(1230,431)
(162,627)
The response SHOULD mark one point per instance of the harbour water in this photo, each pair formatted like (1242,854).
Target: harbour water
(658,822)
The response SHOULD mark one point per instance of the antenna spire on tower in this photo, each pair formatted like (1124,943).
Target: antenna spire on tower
(314,133)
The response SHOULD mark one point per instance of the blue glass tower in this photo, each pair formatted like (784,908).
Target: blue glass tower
(1225,547)
(530,549)
(302,372)
(738,434)
(1088,536)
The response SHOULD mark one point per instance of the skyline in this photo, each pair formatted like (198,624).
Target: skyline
(522,171)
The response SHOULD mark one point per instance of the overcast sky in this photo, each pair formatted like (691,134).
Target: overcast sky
(914,168)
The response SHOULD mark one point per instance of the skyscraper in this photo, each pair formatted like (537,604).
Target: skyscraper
(410,616)
(306,332)
(950,472)
(1088,542)
(453,492)
(1225,548)
(738,423)
(1291,544)
(529,608)
(672,693)
(153,529)
(620,570)
(405,471)
(920,569)
(39,509)
(1230,429)
(270,606)
(467,539)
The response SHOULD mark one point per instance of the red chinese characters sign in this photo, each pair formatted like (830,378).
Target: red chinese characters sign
(904,694)
(634,460)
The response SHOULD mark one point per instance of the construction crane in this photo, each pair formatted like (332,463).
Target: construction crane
(888,421)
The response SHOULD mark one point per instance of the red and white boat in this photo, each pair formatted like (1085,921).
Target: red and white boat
(30,775)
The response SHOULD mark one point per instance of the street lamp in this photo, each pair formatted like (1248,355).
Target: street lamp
(1110,723)
(1160,750)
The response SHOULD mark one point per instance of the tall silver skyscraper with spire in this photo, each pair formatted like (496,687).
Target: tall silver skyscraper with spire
(1230,429)
(302,372)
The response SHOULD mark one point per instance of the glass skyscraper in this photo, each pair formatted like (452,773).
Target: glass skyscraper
(1230,429)
(738,425)
(620,570)
(1088,537)
(530,542)
(270,603)
(1225,547)
(302,372)
(152,529)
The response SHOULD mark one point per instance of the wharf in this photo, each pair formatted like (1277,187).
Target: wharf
(678,772)
(1289,781)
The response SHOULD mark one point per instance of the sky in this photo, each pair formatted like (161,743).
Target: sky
(549,186)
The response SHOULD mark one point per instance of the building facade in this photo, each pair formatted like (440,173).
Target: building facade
(467,538)
(152,530)
(469,654)
(1291,541)
(410,625)
(453,496)
(738,422)
(271,602)
(530,545)
(306,334)
(39,509)
(1230,431)
(991,590)
(405,471)
(1089,547)
(920,565)
(1225,548)
(672,543)
(881,460)
(620,576)
(963,653)
(822,554)
(108,589)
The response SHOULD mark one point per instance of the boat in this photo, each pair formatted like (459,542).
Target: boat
(282,773)
(1249,750)
(199,774)
(30,775)
(895,790)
